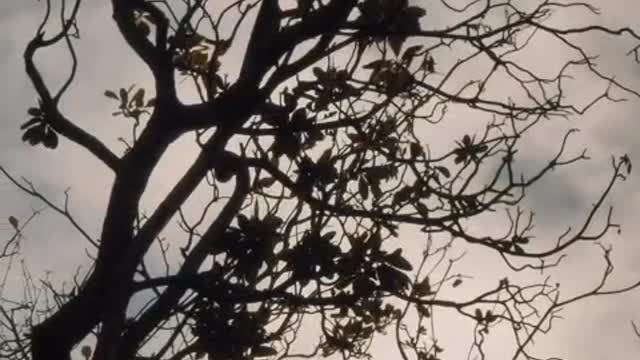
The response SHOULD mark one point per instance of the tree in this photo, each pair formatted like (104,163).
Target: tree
(317,158)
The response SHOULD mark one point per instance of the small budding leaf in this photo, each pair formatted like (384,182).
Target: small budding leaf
(478,315)
(111,94)
(124,98)
(457,282)
(14,222)
(138,98)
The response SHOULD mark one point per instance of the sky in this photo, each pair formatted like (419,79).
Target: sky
(595,329)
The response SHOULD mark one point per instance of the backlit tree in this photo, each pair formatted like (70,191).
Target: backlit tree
(336,171)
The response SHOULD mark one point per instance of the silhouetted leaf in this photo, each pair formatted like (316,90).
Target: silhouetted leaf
(490,317)
(263,351)
(34,135)
(50,139)
(14,222)
(138,98)
(266,182)
(478,315)
(243,222)
(423,210)
(423,288)
(363,188)
(517,249)
(396,42)
(443,170)
(111,94)
(124,98)
(423,311)
(34,112)
(410,53)
(521,239)
(363,286)
(376,64)
(30,123)
(415,150)
(415,11)
(391,279)
(328,236)
(396,259)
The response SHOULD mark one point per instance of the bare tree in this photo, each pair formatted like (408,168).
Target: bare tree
(317,154)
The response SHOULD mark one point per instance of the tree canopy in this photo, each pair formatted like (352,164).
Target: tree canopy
(345,148)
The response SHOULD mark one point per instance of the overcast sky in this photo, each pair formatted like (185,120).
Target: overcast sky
(596,329)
